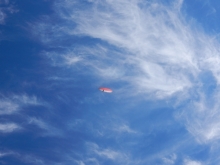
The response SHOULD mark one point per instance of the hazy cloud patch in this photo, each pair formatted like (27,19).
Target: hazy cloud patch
(50,130)
(14,103)
(170,159)
(191,162)
(5,9)
(124,129)
(9,127)
(107,153)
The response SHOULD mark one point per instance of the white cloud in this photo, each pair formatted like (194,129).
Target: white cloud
(70,60)
(202,119)
(153,40)
(153,50)
(6,9)
(191,162)
(149,47)
(31,159)
(14,103)
(8,107)
(170,159)
(158,48)
(9,127)
(50,130)
(80,163)
(5,153)
(106,153)
(2,17)
(27,100)
(124,129)
(110,154)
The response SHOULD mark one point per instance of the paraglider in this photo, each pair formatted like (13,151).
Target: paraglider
(104,89)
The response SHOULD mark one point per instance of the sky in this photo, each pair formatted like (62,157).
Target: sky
(161,58)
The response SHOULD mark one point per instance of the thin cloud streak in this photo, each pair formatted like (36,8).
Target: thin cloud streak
(202,119)
(14,103)
(115,156)
(50,130)
(124,129)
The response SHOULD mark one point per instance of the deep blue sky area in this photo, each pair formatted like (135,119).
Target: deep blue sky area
(160,58)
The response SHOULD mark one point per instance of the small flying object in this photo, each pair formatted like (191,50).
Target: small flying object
(104,89)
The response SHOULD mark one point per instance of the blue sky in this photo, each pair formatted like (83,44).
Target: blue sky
(160,57)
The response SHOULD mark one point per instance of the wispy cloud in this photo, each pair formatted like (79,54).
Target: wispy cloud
(9,127)
(14,103)
(50,130)
(163,53)
(191,162)
(201,118)
(124,129)
(152,41)
(5,9)
(151,49)
(106,153)
(170,159)
(2,154)
(8,107)
(79,163)
(113,127)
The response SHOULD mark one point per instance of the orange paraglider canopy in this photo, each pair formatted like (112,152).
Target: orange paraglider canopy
(104,89)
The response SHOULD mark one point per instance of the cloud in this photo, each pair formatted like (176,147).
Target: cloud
(201,117)
(191,162)
(14,103)
(80,163)
(163,54)
(5,9)
(9,127)
(27,100)
(32,159)
(152,41)
(106,153)
(2,154)
(147,47)
(170,159)
(96,155)
(125,128)
(50,130)
(2,17)
(151,49)
(110,154)
(8,107)
(110,126)
(22,157)
(71,60)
